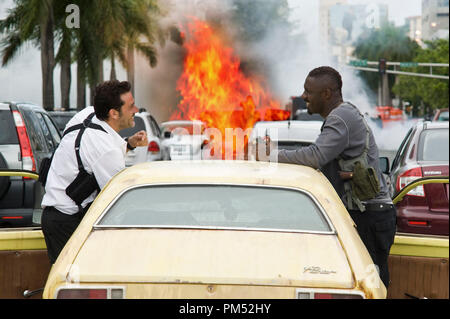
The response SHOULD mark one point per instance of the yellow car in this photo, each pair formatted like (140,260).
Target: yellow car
(216,229)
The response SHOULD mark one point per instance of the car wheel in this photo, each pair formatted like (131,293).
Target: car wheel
(4,180)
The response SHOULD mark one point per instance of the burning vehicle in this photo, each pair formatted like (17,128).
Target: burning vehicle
(215,90)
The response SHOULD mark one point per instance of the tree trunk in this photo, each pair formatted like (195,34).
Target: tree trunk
(130,68)
(113,75)
(98,80)
(66,77)
(47,59)
(81,86)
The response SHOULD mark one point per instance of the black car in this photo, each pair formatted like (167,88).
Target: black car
(61,118)
(27,136)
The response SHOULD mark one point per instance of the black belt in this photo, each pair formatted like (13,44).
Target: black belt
(378,207)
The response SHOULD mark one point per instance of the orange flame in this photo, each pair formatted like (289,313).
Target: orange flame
(215,90)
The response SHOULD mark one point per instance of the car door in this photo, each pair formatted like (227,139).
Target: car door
(398,160)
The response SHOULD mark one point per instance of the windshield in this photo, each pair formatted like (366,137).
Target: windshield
(433,145)
(184,129)
(216,206)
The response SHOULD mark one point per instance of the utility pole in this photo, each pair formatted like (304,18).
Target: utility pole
(384,96)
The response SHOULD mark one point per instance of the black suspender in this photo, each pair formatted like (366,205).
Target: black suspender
(84,184)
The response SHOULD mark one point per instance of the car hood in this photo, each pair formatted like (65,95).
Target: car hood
(212,256)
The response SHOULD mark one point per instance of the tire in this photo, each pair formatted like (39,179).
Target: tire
(4,180)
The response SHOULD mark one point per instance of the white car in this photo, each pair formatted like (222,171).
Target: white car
(144,121)
(183,140)
(287,135)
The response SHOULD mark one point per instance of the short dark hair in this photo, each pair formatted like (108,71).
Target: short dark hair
(107,97)
(330,73)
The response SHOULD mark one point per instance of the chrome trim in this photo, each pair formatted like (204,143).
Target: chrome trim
(312,291)
(321,210)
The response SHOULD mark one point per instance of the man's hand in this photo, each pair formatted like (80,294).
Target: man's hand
(138,139)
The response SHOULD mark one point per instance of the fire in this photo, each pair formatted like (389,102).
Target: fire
(215,90)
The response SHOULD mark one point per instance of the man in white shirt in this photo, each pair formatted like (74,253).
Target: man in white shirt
(102,152)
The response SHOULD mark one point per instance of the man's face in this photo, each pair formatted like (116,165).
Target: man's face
(127,111)
(313,95)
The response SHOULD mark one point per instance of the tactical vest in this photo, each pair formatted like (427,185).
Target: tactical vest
(364,184)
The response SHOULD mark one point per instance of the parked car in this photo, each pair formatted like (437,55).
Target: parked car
(303,115)
(216,229)
(423,153)
(183,140)
(27,136)
(287,135)
(61,118)
(144,122)
(441,115)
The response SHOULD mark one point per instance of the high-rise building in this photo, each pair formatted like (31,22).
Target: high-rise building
(435,19)
(324,18)
(415,29)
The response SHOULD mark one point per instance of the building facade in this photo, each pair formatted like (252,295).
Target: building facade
(435,19)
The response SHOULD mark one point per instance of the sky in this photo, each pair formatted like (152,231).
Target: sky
(21,79)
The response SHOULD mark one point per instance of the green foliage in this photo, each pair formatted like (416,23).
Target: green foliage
(390,43)
(107,27)
(433,92)
(254,18)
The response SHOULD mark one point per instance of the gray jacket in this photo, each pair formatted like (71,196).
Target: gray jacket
(343,135)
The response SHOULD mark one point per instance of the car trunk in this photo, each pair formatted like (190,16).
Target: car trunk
(436,194)
(219,257)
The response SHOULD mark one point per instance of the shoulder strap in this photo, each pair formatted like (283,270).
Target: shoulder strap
(87,123)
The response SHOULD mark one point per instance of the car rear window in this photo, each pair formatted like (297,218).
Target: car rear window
(61,120)
(8,133)
(139,126)
(433,145)
(443,116)
(184,129)
(219,206)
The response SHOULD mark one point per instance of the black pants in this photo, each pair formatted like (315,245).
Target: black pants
(57,228)
(377,231)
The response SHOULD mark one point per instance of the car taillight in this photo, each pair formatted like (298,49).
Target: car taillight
(90,293)
(328,294)
(28,162)
(153,147)
(410,176)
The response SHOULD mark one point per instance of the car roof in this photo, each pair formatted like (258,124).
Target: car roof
(222,171)
(435,125)
(285,124)
(181,122)
(68,112)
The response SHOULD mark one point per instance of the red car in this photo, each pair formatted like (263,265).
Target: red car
(423,153)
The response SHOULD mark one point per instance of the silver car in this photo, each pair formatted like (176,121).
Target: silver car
(183,140)
(287,135)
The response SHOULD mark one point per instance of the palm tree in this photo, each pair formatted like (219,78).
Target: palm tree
(32,20)
(388,42)
(108,29)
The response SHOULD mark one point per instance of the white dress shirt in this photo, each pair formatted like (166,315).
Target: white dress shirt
(101,153)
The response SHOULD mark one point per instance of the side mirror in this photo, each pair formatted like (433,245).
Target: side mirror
(384,165)
(167,134)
